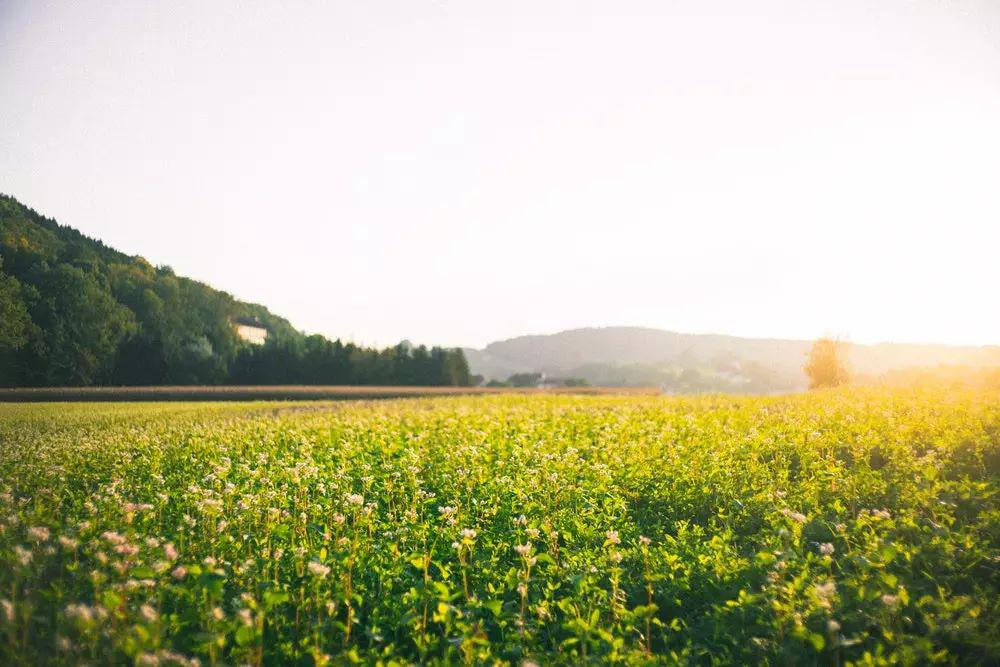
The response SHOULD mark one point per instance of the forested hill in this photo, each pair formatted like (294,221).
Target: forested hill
(75,312)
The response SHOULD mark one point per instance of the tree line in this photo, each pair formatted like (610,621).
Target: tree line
(74,312)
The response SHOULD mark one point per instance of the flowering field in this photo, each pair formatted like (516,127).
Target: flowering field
(833,528)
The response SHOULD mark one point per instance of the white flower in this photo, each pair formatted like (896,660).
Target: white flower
(111,537)
(318,569)
(210,505)
(533,533)
(826,548)
(6,610)
(179,572)
(890,600)
(468,534)
(523,549)
(38,533)
(355,499)
(148,613)
(644,541)
(825,592)
(67,542)
(79,611)
(126,549)
(23,555)
(612,536)
(170,551)
(794,516)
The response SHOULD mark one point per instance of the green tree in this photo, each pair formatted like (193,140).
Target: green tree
(14,319)
(81,327)
(826,366)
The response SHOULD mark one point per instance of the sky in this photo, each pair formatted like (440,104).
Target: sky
(461,171)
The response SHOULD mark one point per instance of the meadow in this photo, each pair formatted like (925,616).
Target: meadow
(839,527)
(298,392)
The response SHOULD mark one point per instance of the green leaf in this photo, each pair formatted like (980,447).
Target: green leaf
(244,635)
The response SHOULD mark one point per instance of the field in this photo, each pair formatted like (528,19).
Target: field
(832,528)
(281,392)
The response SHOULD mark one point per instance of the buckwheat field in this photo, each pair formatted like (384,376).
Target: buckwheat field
(840,527)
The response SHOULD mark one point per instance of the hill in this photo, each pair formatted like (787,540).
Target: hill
(75,312)
(693,362)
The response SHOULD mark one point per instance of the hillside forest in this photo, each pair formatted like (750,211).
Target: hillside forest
(75,312)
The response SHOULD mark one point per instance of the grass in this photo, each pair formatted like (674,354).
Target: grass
(831,528)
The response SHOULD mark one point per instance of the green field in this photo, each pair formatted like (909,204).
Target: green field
(832,528)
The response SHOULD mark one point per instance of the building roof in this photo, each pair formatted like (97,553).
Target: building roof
(250,322)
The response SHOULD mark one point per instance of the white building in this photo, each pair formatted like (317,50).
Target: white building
(251,331)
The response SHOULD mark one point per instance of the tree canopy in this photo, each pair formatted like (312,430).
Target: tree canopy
(826,366)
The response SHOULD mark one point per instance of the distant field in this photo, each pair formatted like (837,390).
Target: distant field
(834,528)
(282,393)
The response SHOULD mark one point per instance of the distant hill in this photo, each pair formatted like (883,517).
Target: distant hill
(75,312)
(632,356)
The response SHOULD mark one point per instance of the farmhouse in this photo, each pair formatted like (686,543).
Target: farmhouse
(250,330)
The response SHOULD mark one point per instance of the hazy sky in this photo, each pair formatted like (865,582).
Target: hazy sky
(459,171)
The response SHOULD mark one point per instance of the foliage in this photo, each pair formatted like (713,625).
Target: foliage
(75,312)
(524,379)
(14,320)
(826,365)
(834,528)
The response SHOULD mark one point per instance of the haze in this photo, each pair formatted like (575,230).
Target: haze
(457,172)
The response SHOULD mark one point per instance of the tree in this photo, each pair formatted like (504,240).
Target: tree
(826,365)
(524,379)
(458,369)
(14,318)
(81,327)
